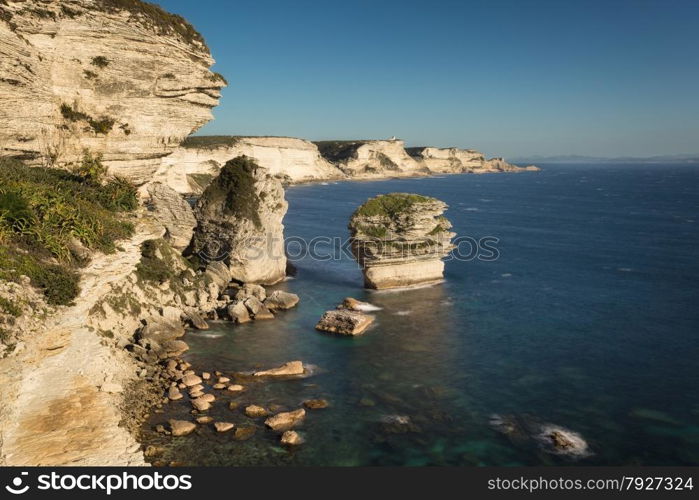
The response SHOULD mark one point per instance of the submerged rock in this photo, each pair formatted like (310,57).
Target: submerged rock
(182,427)
(357,305)
(562,441)
(287,369)
(400,239)
(398,424)
(244,432)
(316,404)
(344,322)
(223,426)
(254,411)
(286,420)
(291,438)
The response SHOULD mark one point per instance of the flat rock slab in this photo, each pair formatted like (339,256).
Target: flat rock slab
(182,427)
(287,369)
(344,322)
(223,426)
(286,420)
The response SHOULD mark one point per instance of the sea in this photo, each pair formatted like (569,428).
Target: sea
(581,312)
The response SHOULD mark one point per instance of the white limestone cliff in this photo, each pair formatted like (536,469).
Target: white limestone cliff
(400,239)
(200,158)
(124,79)
(372,159)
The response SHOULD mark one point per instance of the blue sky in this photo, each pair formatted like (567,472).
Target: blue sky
(511,78)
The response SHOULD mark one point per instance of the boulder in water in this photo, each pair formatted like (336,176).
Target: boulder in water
(344,322)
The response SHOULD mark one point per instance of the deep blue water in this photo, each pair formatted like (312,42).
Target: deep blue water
(587,320)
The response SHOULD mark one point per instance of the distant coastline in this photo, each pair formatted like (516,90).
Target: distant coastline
(689,159)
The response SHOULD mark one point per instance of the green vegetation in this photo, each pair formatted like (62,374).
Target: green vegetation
(373,231)
(91,167)
(100,61)
(337,151)
(10,307)
(47,214)
(218,77)
(102,125)
(236,184)
(73,115)
(386,162)
(437,230)
(163,22)
(155,263)
(210,141)
(58,282)
(390,205)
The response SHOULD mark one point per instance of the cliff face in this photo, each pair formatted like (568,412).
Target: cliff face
(120,78)
(371,159)
(449,160)
(199,159)
(294,160)
(239,222)
(400,239)
(457,161)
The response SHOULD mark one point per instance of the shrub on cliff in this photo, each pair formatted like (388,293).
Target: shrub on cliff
(390,205)
(47,215)
(236,183)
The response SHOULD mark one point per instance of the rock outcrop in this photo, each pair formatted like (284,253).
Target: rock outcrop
(461,161)
(172,211)
(400,239)
(239,222)
(344,322)
(124,79)
(199,159)
(372,159)
(449,160)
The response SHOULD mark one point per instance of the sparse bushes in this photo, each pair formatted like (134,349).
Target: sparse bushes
(10,307)
(91,167)
(218,78)
(163,22)
(100,61)
(102,125)
(390,205)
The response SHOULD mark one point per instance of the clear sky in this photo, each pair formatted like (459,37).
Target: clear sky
(510,78)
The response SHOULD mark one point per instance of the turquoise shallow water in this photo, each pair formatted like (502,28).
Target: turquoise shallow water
(587,320)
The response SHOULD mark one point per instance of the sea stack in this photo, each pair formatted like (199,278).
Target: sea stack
(400,239)
(239,222)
